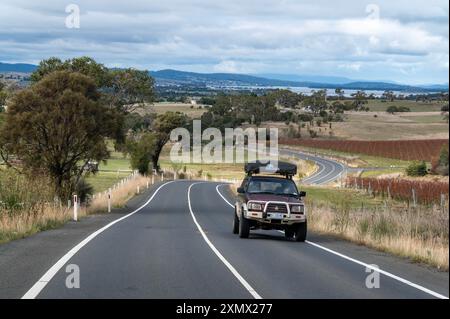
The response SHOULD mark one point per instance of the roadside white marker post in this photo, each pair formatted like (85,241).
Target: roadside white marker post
(153,179)
(69,204)
(162,176)
(147,184)
(137,189)
(75,208)
(109,201)
(414,197)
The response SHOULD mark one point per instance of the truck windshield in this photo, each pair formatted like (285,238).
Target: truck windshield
(276,187)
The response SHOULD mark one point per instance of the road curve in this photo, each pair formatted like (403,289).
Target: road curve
(179,244)
(328,169)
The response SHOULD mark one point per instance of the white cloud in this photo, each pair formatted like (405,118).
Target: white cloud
(408,43)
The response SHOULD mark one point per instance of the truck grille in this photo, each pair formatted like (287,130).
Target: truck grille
(277,208)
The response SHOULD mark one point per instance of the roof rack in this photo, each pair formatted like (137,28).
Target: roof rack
(282,168)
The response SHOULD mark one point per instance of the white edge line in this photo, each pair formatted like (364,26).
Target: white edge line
(400,279)
(246,285)
(34,291)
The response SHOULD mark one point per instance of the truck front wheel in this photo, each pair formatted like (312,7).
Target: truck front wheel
(289,232)
(235,222)
(300,232)
(244,227)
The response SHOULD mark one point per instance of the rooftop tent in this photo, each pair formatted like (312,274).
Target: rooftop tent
(282,168)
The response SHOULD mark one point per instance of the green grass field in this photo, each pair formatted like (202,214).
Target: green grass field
(110,172)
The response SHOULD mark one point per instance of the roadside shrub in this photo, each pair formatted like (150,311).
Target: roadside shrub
(417,169)
(84,191)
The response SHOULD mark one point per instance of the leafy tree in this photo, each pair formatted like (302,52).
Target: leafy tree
(130,89)
(317,101)
(135,122)
(207,101)
(84,65)
(142,151)
(162,127)
(388,95)
(3,96)
(305,117)
(56,127)
(286,98)
(125,90)
(442,165)
(359,100)
(340,93)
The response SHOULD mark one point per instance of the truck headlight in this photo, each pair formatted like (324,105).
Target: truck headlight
(255,207)
(297,209)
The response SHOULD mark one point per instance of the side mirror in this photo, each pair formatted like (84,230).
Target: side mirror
(302,194)
(241,190)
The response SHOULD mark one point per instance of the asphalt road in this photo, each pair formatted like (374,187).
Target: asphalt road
(328,170)
(180,245)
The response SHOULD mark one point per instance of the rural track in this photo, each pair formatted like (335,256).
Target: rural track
(328,170)
(179,244)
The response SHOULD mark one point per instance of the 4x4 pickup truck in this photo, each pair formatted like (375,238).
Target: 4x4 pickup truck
(270,201)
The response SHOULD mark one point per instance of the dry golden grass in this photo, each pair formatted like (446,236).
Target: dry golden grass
(420,234)
(119,195)
(39,215)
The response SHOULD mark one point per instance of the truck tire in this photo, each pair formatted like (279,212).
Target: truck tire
(235,222)
(301,231)
(244,227)
(289,232)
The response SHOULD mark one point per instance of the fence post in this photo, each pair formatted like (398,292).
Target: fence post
(75,207)
(109,201)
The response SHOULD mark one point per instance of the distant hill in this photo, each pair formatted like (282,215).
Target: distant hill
(308,78)
(229,79)
(174,77)
(220,79)
(17,67)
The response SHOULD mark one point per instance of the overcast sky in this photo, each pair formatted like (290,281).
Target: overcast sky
(402,40)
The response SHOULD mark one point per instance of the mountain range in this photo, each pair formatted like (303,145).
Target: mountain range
(174,77)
